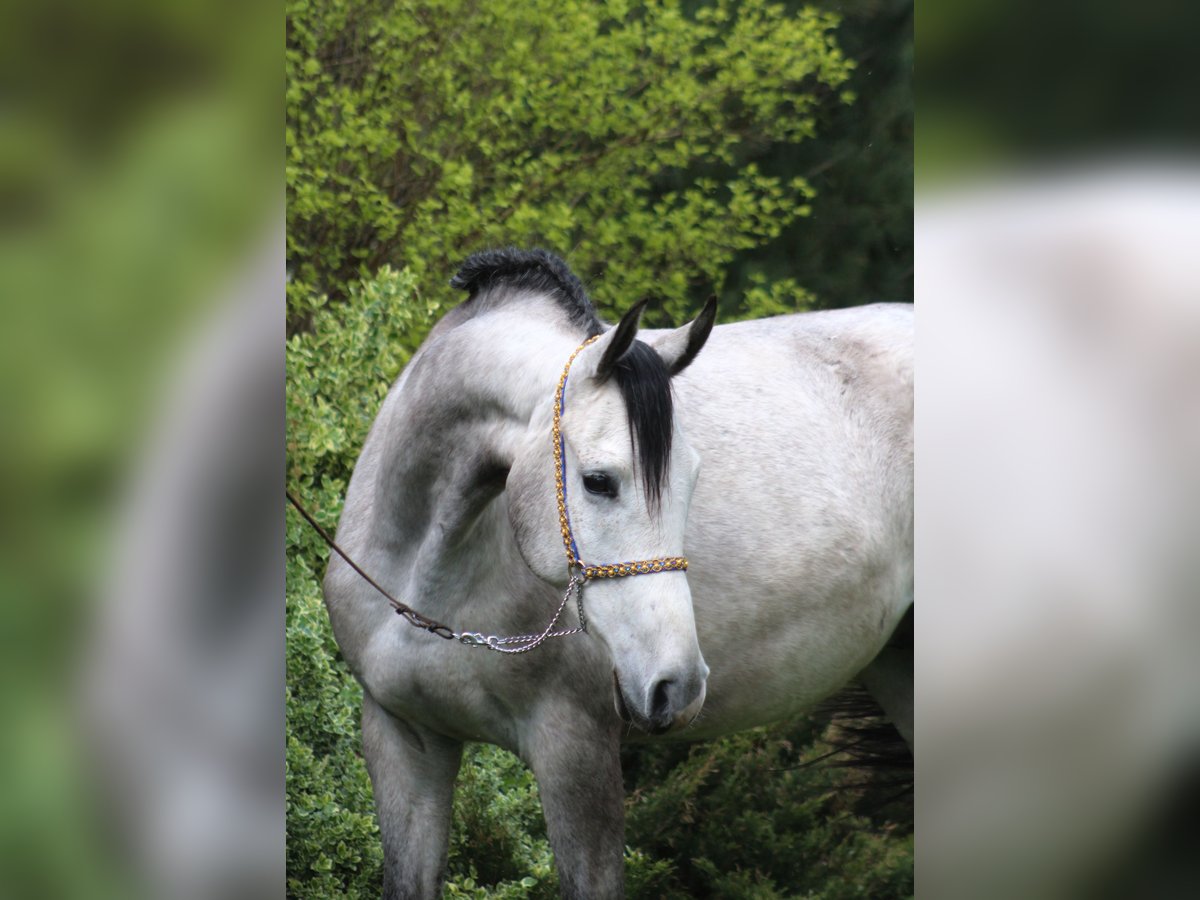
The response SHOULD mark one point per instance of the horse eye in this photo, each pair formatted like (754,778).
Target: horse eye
(599,483)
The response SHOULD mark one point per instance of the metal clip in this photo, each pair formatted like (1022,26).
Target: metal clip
(472,639)
(577,583)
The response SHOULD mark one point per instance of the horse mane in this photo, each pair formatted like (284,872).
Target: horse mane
(640,375)
(529,272)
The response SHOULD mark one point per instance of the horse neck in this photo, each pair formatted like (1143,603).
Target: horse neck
(439,453)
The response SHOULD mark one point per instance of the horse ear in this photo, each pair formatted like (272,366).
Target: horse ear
(679,347)
(618,340)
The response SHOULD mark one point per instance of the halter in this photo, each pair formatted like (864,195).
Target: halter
(611,570)
(579,572)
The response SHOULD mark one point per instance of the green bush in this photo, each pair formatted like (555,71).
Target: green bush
(417,135)
(752,816)
(336,375)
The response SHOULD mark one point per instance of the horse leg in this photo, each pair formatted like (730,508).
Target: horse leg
(579,779)
(889,679)
(412,771)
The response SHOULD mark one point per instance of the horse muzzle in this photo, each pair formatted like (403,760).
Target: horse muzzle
(671,702)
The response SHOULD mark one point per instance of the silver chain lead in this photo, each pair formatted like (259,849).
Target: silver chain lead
(530,641)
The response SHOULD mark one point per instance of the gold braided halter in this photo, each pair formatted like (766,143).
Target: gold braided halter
(611,570)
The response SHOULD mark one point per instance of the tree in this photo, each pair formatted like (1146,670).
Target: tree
(417,135)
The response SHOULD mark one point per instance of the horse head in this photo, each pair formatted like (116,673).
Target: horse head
(627,474)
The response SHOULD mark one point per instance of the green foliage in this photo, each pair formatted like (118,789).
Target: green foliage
(643,139)
(336,374)
(332,840)
(856,246)
(751,816)
(499,847)
(416,136)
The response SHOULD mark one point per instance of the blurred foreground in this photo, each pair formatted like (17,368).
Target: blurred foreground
(1058,433)
(1057,524)
(141,283)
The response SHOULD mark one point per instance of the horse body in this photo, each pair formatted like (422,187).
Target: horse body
(800,533)
(793,442)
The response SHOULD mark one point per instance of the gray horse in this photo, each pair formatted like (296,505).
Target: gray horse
(778,460)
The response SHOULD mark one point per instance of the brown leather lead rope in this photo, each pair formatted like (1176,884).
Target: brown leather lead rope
(411,615)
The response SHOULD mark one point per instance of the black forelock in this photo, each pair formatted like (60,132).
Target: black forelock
(645,385)
(534,271)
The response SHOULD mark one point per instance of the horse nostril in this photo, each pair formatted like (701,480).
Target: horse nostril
(660,700)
